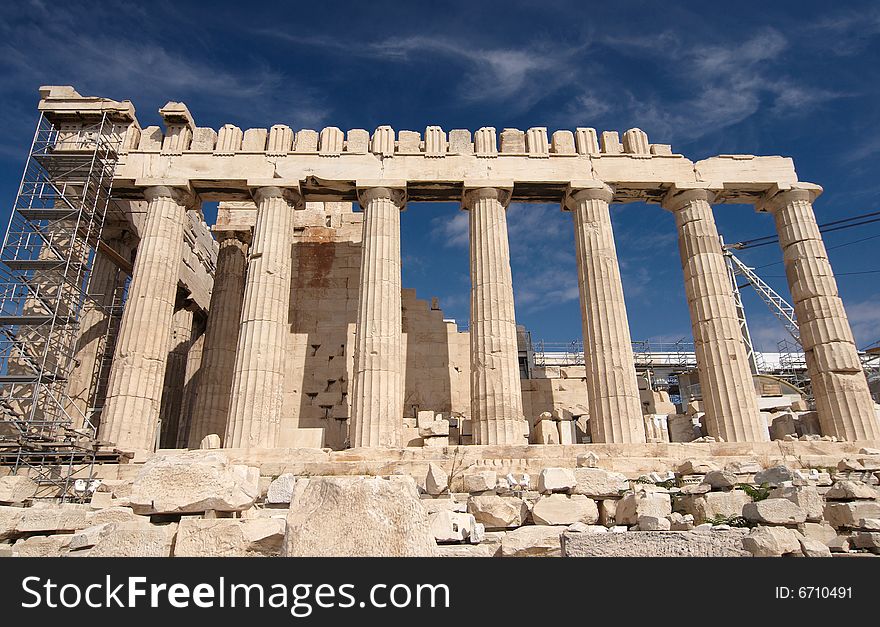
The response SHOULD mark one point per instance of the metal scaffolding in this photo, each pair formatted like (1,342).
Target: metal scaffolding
(50,244)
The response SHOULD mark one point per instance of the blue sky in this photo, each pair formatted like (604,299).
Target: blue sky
(800,79)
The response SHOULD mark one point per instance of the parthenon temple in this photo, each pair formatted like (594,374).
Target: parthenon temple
(285,324)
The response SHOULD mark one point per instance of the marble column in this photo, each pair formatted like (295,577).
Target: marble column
(615,404)
(191,378)
(131,414)
(258,381)
(840,388)
(377,402)
(96,323)
(175,374)
(729,397)
(214,389)
(496,393)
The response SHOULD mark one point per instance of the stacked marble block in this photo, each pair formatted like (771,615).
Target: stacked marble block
(280,140)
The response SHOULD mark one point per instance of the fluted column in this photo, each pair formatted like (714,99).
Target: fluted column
(257,387)
(105,282)
(214,389)
(175,374)
(131,414)
(377,405)
(496,394)
(615,405)
(729,397)
(840,388)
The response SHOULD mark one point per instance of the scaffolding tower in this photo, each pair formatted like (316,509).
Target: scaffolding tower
(50,244)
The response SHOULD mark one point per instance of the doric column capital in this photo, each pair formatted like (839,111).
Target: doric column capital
(392,190)
(680,195)
(183,195)
(243,235)
(502,191)
(290,194)
(778,196)
(586,190)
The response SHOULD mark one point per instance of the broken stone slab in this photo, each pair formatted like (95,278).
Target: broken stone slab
(587,460)
(850,491)
(869,524)
(90,536)
(697,467)
(772,542)
(193,482)
(358,517)
(713,505)
(436,428)
(229,537)
(482,481)
(133,539)
(437,481)
(866,540)
(498,512)
(720,479)
(280,490)
(556,480)
(448,526)
(42,546)
(805,497)
(533,541)
(774,511)
(9,519)
(654,523)
(654,544)
(53,519)
(642,503)
(491,549)
(580,527)
(436,441)
(774,476)
(562,509)
(680,522)
(478,533)
(821,531)
(849,514)
(432,506)
(813,548)
(840,544)
(17,489)
(595,482)
(695,488)
(115,514)
(743,467)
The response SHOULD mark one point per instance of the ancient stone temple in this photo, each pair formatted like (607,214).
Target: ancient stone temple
(290,327)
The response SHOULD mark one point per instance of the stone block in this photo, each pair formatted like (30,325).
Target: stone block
(556,480)
(654,523)
(408,143)
(720,479)
(536,142)
(546,432)
(9,519)
(813,548)
(480,481)
(805,497)
(562,143)
(134,539)
(229,537)
(596,482)
(42,546)
(281,489)
(774,511)
(850,514)
(254,140)
(772,542)
(204,140)
(357,517)
(193,482)
(437,441)
(611,143)
(435,428)
(436,481)
(533,541)
(331,141)
(587,460)
(498,512)
(713,505)
(586,141)
(53,519)
(513,141)
(851,490)
(562,509)
(448,526)
(774,476)
(306,141)
(460,142)
(697,467)
(642,503)
(654,544)
(16,489)
(357,141)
